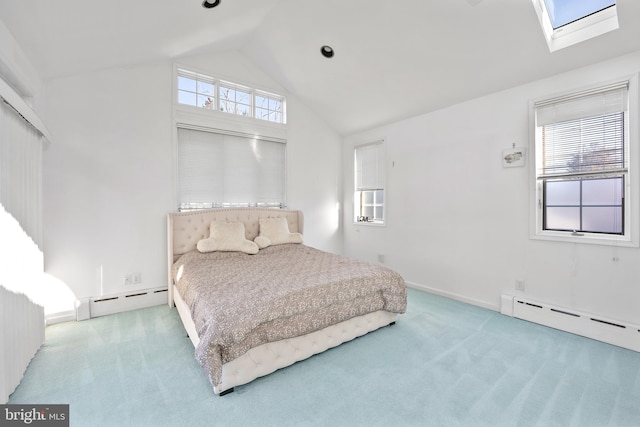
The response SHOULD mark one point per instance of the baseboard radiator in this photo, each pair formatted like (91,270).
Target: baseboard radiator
(21,336)
(599,328)
(118,303)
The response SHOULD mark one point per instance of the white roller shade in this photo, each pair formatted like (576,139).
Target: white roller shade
(369,166)
(610,99)
(217,169)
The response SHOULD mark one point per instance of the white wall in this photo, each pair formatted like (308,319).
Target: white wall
(109,176)
(458,222)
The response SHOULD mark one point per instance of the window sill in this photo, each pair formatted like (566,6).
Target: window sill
(369,223)
(585,238)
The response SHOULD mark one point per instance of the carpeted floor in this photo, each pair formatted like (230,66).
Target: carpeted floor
(444,363)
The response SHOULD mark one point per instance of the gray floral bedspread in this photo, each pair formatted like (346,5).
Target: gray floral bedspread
(240,301)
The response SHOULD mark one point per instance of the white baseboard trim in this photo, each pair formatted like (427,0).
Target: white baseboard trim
(453,296)
(61,317)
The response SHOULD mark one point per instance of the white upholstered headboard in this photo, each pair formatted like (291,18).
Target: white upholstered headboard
(185,229)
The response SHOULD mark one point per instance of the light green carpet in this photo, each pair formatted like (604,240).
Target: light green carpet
(444,363)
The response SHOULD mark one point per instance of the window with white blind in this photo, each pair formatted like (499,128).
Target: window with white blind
(582,165)
(368,199)
(217,169)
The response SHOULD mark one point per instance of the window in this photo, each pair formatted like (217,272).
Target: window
(582,164)
(196,90)
(568,22)
(368,197)
(229,169)
(235,99)
(206,92)
(269,107)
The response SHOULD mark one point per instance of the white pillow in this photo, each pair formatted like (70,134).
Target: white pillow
(275,231)
(227,236)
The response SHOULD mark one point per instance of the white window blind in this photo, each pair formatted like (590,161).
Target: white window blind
(583,134)
(369,167)
(222,169)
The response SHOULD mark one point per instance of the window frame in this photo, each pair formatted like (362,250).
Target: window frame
(586,28)
(381,181)
(218,86)
(631,190)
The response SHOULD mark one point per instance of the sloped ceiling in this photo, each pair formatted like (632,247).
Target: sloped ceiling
(394,59)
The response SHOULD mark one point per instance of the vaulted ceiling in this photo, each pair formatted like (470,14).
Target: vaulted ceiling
(393,59)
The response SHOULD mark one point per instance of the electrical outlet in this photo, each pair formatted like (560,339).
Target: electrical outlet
(136,278)
(127,279)
(381,258)
(520,285)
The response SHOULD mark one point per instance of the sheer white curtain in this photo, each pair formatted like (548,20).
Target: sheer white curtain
(21,148)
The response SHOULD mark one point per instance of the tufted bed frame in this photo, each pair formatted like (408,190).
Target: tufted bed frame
(185,229)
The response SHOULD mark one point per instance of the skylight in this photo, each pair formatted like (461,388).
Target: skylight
(568,22)
(563,12)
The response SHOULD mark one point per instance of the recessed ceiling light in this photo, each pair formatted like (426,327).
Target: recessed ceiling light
(208,4)
(327,51)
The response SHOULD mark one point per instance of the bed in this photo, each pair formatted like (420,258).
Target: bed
(253,298)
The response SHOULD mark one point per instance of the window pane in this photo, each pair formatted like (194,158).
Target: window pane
(185,83)
(367,211)
(205,102)
(243,97)
(602,219)
(562,218)
(367,197)
(205,88)
(379,197)
(562,192)
(229,94)
(262,101)
(243,110)
(602,191)
(187,98)
(378,211)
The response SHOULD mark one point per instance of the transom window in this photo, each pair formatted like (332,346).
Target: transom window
(235,99)
(209,93)
(197,90)
(269,107)
(582,163)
